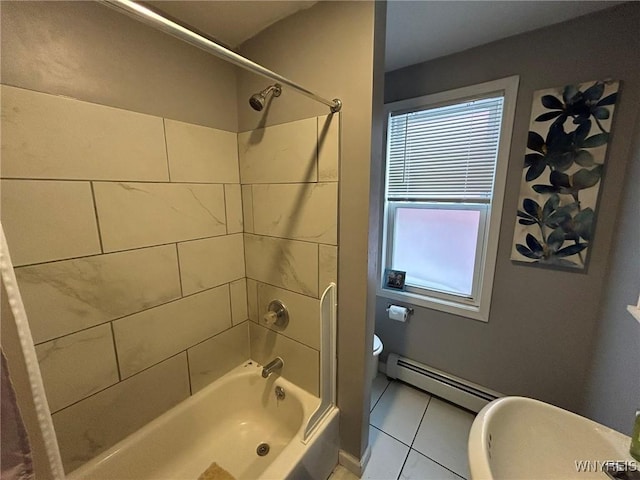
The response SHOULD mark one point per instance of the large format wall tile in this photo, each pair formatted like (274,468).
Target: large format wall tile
(211,262)
(153,335)
(49,136)
(328,148)
(67,296)
(304,314)
(233,203)
(212,358)
(48,220)
(201,154)
(141,214)
(328,266)
(247,208)
(252,300)
(299,211)
(284,263)
(238,290)
(93,425)
(284,153)
(301,363)
(75,366)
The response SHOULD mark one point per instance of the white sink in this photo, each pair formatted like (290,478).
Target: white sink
(522,438)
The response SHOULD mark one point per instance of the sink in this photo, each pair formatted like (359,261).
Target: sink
(522,438)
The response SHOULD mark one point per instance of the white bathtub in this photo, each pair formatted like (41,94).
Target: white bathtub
(225,423)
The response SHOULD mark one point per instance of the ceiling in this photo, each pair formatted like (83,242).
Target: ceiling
(417,31)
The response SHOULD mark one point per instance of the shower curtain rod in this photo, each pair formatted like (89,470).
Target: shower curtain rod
(148,16)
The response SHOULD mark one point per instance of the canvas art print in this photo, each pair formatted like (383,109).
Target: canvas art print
(563,165)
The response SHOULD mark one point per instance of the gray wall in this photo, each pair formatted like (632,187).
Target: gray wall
(542,322)
(613,389)
(90,52)
(329,48)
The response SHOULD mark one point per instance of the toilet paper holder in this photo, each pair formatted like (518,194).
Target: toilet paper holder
(409,309)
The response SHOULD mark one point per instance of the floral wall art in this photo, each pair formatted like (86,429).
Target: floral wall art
(566,149)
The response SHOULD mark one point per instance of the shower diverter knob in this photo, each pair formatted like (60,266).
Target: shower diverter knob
(277,314)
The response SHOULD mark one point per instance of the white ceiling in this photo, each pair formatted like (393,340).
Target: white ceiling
(230,22)
(417,30)
(423,30)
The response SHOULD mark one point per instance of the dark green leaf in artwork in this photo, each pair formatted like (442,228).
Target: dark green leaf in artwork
(594,92)
(583,223)
(608,100)
(570,93)
(555,239)
(571,250)
(536,169)
(543,117)
(535,142)
(601,113)
(596,140)
(584,158)
(559,179)
(581,132)
(550,205)
(545,189)
(552,102)
(584,178)
(560,262)
(531,158)
(526,252)
(531,207)
(524,221)
(533,244)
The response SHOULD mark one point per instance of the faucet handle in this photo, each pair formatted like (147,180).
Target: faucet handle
(277,314)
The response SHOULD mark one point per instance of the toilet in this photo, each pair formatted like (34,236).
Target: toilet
(377,350)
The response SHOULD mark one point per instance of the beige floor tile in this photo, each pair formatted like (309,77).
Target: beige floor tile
(419,467)
(377,389)
(387,456)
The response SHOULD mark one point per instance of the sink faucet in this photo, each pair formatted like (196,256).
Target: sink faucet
(269,368)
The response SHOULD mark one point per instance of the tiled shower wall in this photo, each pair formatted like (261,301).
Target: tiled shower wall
(289,176)
(126,231)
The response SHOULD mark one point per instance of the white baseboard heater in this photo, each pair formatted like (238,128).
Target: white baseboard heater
(457,390)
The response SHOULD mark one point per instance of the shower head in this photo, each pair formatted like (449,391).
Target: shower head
(258,100)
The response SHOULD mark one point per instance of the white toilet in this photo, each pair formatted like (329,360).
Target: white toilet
(377,350)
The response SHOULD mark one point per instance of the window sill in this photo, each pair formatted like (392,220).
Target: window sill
(414,299)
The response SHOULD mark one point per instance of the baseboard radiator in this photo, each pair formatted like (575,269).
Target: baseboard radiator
(454,389)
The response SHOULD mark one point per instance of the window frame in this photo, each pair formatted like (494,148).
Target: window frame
(478,307)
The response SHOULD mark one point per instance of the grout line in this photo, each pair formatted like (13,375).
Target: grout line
(179,270)
(282,288)
(287,337)
(166,148)
(404,463)
(292,239)
(186,352)
(115,351)
(95,210)
(380,397)
(99,180)
(224,200)
(438,463)
(421,419)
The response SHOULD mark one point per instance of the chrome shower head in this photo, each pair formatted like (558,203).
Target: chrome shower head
(258,100)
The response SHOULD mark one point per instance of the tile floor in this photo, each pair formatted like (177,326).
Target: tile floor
(413,436)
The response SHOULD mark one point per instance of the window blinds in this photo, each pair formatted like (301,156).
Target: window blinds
(444,153)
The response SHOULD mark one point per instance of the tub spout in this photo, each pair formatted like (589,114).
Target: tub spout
(275,364)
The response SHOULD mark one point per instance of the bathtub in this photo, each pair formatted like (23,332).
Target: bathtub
(225,423)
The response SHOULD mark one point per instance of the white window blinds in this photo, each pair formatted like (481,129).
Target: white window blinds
(445,153)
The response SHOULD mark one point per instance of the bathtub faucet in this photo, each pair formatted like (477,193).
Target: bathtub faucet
(275,364)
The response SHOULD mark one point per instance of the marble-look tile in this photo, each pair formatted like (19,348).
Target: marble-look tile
(48,220)
(238,290)
(252,300)
(387,456)
(327,266)
(95,424)
(419,467)
(50,136)
(212,358)
(301,363)
(378,387)
(444,434)
(151,336)
(399,411)
(247,208)
(328,148)
(70,295)
(211,262)
(233,204)
(284,153)
(75,366)
(304,314)
(288,264)
(303,211)
(201,154)
(142,214)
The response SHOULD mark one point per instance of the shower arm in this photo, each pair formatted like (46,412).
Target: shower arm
(146,15)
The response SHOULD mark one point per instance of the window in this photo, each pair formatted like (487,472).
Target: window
(446,166)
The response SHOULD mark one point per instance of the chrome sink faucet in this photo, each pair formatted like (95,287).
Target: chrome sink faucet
(275,364)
